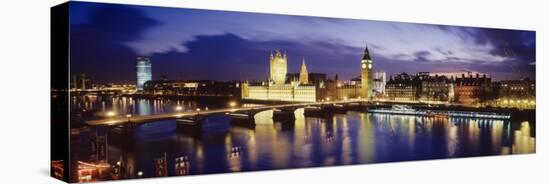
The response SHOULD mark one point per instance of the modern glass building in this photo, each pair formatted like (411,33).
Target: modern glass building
(144,73)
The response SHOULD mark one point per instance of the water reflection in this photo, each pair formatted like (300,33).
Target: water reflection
(339,139)
(523,141)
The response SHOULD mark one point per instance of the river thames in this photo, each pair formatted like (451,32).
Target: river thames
(339,139)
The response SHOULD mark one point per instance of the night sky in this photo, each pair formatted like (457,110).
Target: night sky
(221,45)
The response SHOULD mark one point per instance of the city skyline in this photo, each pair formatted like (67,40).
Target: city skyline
(157,92)
(239,44)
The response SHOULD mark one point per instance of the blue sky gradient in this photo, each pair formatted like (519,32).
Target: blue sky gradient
(221,45)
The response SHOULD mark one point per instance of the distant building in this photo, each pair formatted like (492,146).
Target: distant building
(81,82)
(286,92)
(347,90)
(402,87)
(311,87)
(144,72)
(303,73)
(366,74)
(454,75)
(472,89)
(277,68)
(516,94)
(282,86)
(433,88)
(319,79)
(360,87)
(379,82)
(192,88)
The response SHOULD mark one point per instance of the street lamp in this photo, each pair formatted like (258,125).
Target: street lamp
(179,108)
(232,104)
(110,114)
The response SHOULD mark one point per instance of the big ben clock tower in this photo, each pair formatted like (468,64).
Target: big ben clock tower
(366,74)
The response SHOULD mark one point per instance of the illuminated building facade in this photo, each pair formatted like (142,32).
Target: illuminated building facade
(303,73)
(516,94)
(285,92)
(472,89)
(277,89)
(433,88)
(453,75)
(379,84)
(402,87)
(310,87)
(360,87)
(192,88)
(312,78)
(144,73)
(366,74)
(277,68)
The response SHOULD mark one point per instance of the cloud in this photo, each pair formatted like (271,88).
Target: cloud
(111,36)
(421,56)
(231,57)
(511,45)
(98,43)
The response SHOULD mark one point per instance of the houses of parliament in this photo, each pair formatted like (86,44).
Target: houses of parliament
(308,87)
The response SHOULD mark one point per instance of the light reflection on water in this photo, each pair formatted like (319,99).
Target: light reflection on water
(126,105)
(341,139)
(353,138)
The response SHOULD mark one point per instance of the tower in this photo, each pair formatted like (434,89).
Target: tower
(366,74)
(277,68)
(379,83)
(244,89)
(303,73)
(144,73)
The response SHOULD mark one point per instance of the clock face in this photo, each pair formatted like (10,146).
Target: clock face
(370,66)
(364,66)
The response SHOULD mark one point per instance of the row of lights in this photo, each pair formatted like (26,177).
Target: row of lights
(178,108)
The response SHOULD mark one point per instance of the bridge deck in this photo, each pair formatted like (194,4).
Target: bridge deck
(119,120)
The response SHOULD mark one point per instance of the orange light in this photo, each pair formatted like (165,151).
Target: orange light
(110,114)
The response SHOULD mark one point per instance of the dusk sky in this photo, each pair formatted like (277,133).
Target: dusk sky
(220,45)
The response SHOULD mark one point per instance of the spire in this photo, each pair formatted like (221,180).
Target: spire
(277,53)
(366,55)
(303,72)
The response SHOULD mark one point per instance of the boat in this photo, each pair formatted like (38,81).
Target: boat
(437,114)
(398,109)
(189,122)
